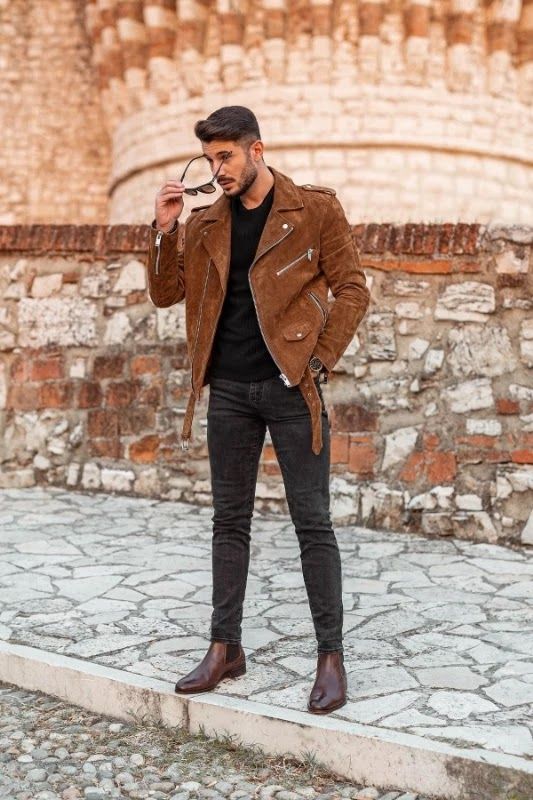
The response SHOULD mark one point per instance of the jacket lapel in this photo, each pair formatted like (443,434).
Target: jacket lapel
(276,229)
(216,236)
(216,232)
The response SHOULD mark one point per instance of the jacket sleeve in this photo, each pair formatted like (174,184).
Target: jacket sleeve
(166,281)
(340,263)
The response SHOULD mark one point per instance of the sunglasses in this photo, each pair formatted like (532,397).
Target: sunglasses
(205,188)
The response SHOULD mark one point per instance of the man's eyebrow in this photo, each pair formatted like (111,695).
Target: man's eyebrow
(220,153)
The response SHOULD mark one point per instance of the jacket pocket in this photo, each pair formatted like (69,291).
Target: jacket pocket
(308,255)
(313,297)
(297,331)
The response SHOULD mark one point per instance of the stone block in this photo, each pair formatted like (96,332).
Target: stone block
(132,278)
(526,536)
(46,285)
(480,350)
(58,321)
(117,480)
(469,395)
(438,523)
(468,301)
(118,329)
(91,476)
(3,385)
(398,445)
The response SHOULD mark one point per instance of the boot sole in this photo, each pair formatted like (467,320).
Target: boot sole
(236,673)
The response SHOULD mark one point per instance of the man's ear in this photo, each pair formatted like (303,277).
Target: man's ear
(258,149)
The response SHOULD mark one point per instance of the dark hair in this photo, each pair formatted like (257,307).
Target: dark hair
(229,123)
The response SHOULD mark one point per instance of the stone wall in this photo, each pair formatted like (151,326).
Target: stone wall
(417,110)
(398,154)
(55,156)
(431,406)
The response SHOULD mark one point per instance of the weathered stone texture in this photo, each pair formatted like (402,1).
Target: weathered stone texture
(409,111)
(431,416)
(55,155)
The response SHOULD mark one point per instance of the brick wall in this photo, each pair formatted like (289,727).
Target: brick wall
(431,406)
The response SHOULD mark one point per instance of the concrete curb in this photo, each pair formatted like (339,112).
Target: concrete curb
(360,753)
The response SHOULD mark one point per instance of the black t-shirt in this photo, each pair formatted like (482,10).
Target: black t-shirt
(239,351)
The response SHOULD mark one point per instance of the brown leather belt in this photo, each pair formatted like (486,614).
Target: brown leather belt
(310,392)
(187,421)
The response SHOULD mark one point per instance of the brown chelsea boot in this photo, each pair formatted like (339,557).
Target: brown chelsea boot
(222,660)
(331,683)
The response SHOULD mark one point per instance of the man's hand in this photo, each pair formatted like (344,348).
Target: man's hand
(168,204)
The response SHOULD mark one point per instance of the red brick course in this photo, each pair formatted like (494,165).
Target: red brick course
(363,455)
(97,241)
(144,451)
(430,466)
(109,366)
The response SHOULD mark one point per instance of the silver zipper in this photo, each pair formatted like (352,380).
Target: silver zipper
(282,375)
(308,254)
(319,304)
(158,238)
(199,320)
(213,336)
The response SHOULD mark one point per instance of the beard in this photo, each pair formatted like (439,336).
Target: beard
(246,179)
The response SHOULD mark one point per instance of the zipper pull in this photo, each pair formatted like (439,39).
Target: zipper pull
(310,254)
(158,238)
(285,380)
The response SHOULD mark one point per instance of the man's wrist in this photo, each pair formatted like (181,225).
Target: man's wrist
(315,364)
(172,228)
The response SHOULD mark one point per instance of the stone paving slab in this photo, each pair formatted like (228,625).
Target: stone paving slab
(438,633)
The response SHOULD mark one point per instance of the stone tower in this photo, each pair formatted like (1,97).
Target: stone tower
(413,111)
(55,154)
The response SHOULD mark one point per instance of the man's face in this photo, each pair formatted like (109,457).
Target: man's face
(238,170)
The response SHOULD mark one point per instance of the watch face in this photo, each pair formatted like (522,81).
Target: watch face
(315,363)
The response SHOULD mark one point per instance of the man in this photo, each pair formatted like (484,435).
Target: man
(255,268)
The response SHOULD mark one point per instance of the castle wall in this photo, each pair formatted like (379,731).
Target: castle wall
(412,111)
(392,154)
(55,153)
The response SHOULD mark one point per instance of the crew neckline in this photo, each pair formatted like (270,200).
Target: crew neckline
(242,208)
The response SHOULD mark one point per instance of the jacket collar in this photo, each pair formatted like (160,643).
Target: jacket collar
(286,198)
(217,234)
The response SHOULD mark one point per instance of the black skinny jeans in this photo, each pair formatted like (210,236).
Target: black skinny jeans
(237,418)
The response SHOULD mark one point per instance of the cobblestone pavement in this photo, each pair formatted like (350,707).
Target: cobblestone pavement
(438,633)
(51,750)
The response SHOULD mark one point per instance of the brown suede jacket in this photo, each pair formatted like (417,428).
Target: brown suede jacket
(305,249)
